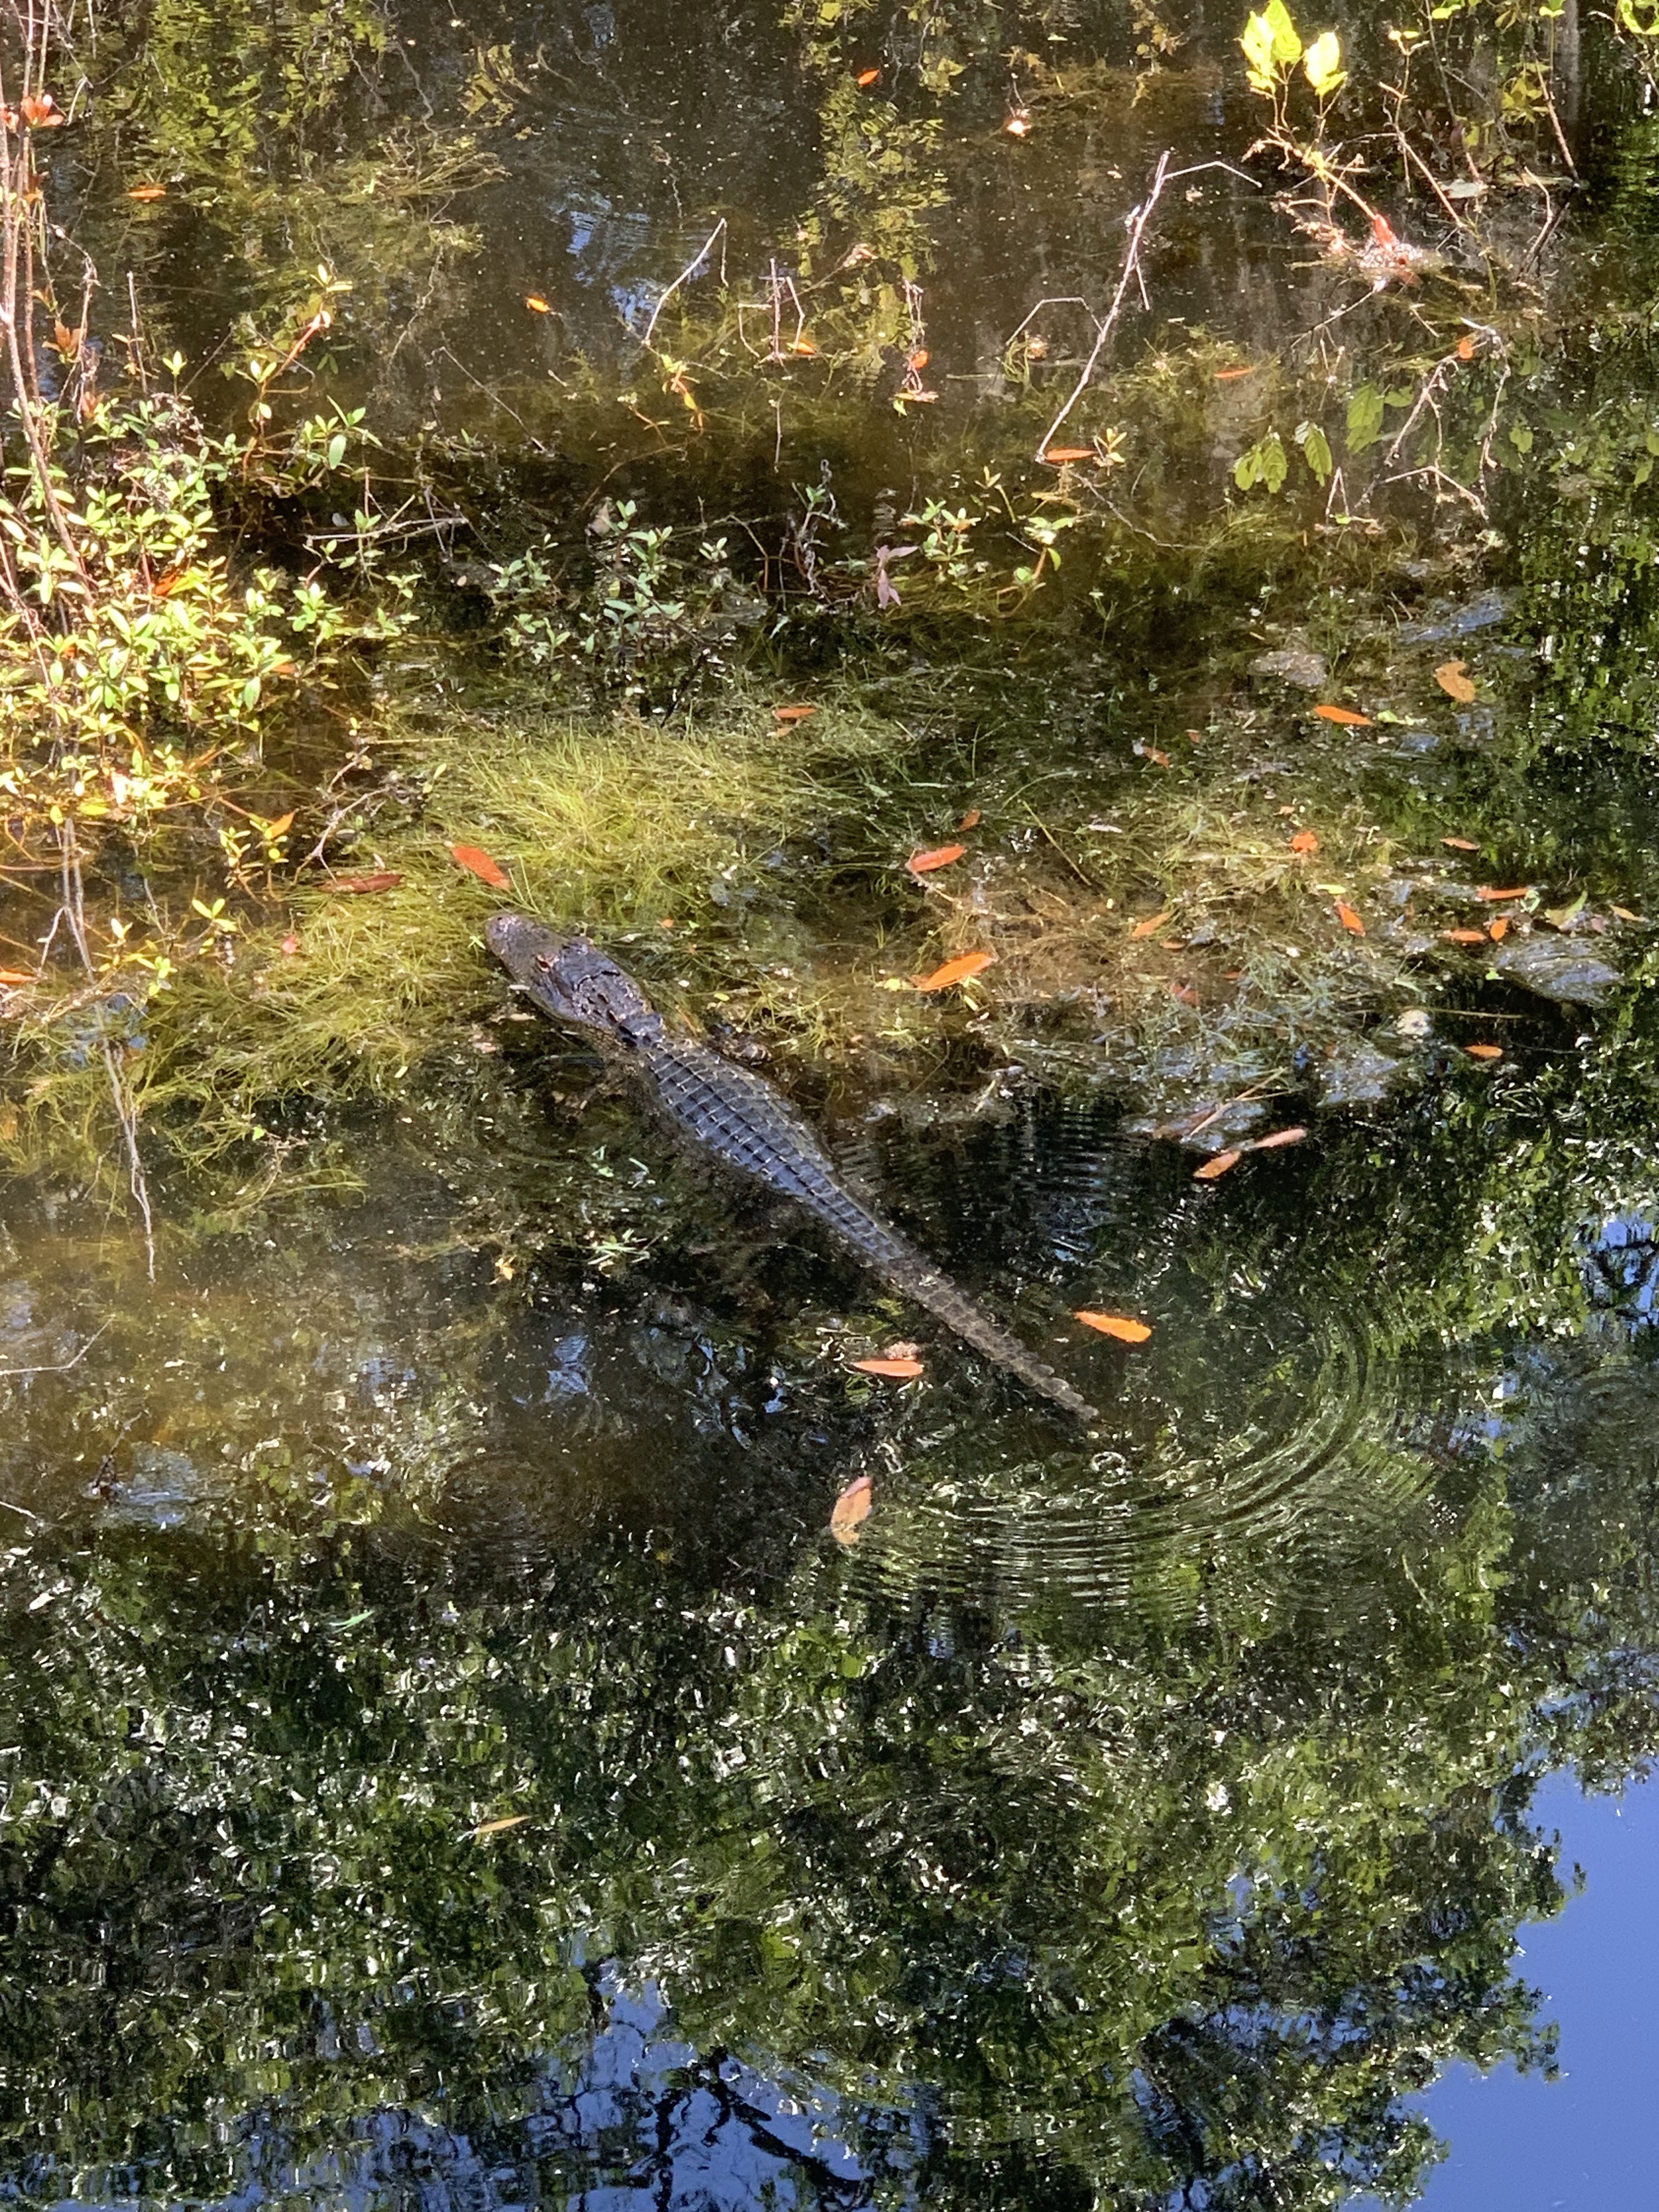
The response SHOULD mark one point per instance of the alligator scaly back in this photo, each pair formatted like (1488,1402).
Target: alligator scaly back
(744,1121)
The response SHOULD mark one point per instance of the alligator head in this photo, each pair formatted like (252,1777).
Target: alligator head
(570,980)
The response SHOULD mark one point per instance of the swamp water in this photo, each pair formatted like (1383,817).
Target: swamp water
(447,1759)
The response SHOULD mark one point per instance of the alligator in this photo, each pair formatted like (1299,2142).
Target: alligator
(742,1120)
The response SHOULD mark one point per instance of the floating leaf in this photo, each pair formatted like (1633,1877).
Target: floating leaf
(1121,1326)
(1491,898)
(1150,926)
(290,945)
(1346,715)
(971,819)
(16,975)
(1349,920)
(499,1827)
(866,77)
(792,714)
(1461,844)
(956,971)
(922,864)
(852,1509)
(897,1371)
(1499,929)
(1624,914)
(1454,682)
(147,191)
(1017,124)
(536,304)
(1231,375)
(387,880)
(1567,917)
(477,862)
(1277,1139)
(1218,1166)
(1484,1051)
(1465,936)
(1304,842)
(1466,349)
(1059,455)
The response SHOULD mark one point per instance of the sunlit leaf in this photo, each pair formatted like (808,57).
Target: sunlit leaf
(1465,936)
(1231,375)
(922,864)
(499,1827)
(1322,64)
(1126,1330)
(901,1369)
(1153,923)
(16,975)
(971,819)
(1466,349)
(1624,914)
(477,862)
(792,714)
(866,77)
(1461,844)
(852,1509)
(1347,717)
(536,304)
(1492,896)
(290,945)
(1059,455)
(1349,919)
(147,192)
(386,879)
(1484,1051)
(1304,842)
(1453,681)
(1499,929)
(1218,1166)
(956,971)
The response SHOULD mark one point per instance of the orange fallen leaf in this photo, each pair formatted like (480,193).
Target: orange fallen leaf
(16,975)
(921,358)
(477,862)
(956,971)
(1624,914)
(1118,1325)
(852,1509)
(1185,993)
(1461,844)
(387,879)
(922,864)
(1499,929)
(792,714)
(1466,349)
(900,1370)
(1452,680)
(1229,375)
(496,1827)
(40,111)
(1346,715)
(1150,926)
(1465,936)
(1349,920)
(148,193)
(536,304)
(1491,897)
(290,946)
(1152,754)
(1058,456)
(1276,1140)
(1218,1166)
(866,77)
(971,819)
(1304,842)
(1484,1051)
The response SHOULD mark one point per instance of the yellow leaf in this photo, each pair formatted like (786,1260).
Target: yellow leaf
(1323,64)
(1452,680)
(1118,1325)
(852,1509)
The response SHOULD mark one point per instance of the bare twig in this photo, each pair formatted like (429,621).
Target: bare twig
(685,275)
(62,1367)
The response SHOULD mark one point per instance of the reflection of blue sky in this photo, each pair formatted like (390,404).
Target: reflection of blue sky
(1520,2143)
(639,2122)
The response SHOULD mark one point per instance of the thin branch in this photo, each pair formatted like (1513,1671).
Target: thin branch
(685,275)
(62,1367)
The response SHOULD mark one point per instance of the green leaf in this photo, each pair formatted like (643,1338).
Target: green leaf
(1364,418)
(1521,437)
(336,445)
(1323,64)
(1316,450)
(1267,462)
